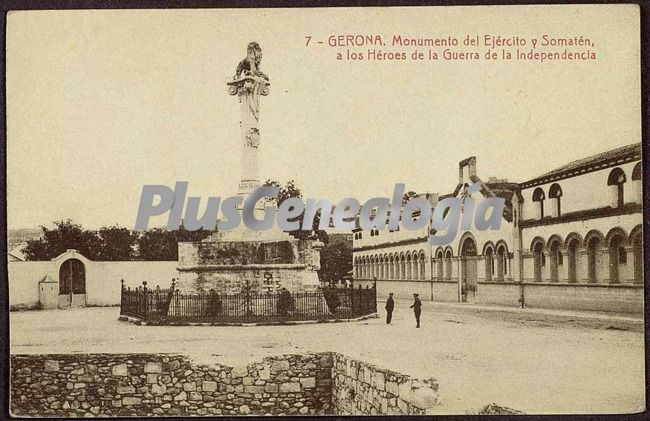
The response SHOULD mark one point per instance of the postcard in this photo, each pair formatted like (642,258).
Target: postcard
(325,211)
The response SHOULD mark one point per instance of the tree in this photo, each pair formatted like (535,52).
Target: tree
(116,243)
(157,244)
(66,235)
(162,244)
(112,243)
(291,190)
(408,196)
(335,261)
(182,234)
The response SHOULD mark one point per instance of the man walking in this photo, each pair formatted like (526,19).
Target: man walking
(417,308)
(390,305)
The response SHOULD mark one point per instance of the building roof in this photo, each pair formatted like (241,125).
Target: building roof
(596,162)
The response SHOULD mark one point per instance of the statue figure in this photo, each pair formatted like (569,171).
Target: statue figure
(250,65)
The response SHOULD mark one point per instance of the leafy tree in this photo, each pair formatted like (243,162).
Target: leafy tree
(65,235)
(335,261)
(182,234)
(408,196)
(291,190)
(157,244)
(162,244)
(116,243)
(112,243)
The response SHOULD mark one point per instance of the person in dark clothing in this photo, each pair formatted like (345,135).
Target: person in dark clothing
(390,305)
(417,308)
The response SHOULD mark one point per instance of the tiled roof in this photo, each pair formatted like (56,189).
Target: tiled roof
(602,160)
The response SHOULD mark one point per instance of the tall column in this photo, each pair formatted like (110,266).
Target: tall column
(249,89)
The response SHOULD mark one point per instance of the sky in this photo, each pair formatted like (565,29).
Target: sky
(100,103)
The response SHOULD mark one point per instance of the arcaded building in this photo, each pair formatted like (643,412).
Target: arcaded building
(570,238)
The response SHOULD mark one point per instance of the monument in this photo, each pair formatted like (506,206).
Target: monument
(242,258)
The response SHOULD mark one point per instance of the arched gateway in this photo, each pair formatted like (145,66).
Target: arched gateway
(72,283)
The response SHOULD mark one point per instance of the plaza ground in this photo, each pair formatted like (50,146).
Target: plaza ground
(536,361)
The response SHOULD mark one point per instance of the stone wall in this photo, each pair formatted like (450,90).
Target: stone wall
(230,266)
(125,385)
(168,385)
(361,388)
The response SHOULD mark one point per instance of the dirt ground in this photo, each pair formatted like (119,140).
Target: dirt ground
(534,361)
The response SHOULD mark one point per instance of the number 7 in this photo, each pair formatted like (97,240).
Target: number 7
(308,37)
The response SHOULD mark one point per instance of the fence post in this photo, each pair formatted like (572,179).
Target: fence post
(144,295)
(374,294)
(122,297)
(247,298)
(351,314)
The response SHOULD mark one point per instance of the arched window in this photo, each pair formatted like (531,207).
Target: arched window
(386,267)
(573,256)
(538,260)
(422,266)
(391,266)
(617,254)
(638,183)
(408,266)
(593,247)
(556,259)
(360,236)
(616,181)
(539,196)
(396,265)
(555,194)
(502,264)
(415,265)
(439,265)
(402,266)
(377,267)
(448,264)
(489,263)
(636,241)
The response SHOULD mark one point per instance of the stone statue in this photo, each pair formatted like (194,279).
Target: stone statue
(249,83)
(250,65)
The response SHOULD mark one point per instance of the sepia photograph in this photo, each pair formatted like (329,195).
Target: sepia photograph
(325,211)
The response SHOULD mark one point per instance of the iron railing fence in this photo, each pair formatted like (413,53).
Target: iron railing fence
(169,306)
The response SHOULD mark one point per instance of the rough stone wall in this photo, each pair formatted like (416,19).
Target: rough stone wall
(168,385)
(124,385)
(361,388)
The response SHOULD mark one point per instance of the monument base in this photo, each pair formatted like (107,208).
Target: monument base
(261,261)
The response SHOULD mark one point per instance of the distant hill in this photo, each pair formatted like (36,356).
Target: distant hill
(18,237)
(340,238)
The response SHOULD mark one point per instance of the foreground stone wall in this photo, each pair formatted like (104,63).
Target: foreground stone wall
(125,385)
(361,388)
(168,385)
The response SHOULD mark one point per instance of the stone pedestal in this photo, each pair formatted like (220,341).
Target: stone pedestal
(239,259)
